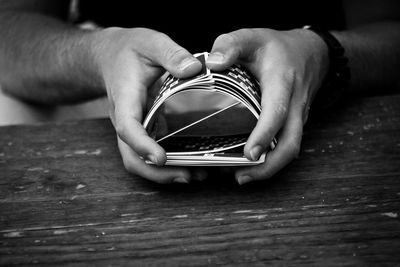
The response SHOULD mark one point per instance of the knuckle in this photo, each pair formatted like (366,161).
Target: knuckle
(121,129)
(241,32)
(247,33)
(174,53)
(280,109)
(159,38)
(229,38)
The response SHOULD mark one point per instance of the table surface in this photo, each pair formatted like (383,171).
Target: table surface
(65,198)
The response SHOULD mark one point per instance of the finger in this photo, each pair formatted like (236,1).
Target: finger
(174,58)
(229,48)
(152,92)
(287,149)
(134,164)
(130,99)
(111,113)
(277,87)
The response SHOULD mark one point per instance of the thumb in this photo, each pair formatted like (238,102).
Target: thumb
(228,48)
(174,58)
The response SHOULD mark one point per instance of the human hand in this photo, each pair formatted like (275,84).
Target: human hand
(290,66)
(129,62)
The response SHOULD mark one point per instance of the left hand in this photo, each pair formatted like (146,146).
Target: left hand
(290,66)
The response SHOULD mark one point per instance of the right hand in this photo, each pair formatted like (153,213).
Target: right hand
(130,61)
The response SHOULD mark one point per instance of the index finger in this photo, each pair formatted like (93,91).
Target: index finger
(129,94)
(276,86)
(129,107)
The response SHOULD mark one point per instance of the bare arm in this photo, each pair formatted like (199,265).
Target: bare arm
(44,59)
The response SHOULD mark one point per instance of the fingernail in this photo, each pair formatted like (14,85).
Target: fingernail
(153,159)
(216,58)
(255,152)
(243,179)
(186,63)
(181,180)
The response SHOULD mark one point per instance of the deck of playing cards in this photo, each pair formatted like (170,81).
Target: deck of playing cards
(188,143)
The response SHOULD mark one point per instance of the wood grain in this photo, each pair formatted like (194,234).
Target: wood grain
(65,199)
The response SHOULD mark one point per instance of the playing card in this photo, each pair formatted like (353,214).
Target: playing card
(207,150)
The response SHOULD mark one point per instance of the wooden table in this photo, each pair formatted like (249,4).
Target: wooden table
(65,198)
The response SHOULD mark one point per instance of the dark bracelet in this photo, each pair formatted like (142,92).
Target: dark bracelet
(338,77)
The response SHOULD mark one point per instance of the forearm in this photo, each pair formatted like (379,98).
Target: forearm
(45,60)
(374,57)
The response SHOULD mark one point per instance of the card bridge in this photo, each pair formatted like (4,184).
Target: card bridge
(208,150)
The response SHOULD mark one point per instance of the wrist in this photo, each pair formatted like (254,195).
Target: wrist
(105,49)
(321,51)
(93,49)
(77,67)
(337,77)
